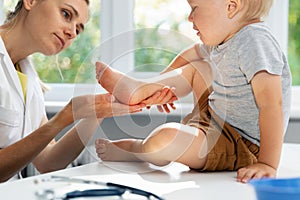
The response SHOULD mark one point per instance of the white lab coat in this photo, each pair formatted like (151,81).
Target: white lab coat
(17,120)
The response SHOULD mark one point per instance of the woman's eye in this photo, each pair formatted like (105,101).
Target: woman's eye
(66,14)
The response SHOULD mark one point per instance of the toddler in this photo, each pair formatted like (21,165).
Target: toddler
(241,84)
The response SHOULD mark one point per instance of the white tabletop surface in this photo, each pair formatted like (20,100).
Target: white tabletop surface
(172,182)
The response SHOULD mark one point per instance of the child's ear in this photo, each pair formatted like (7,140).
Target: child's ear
(233,8)
(28,4)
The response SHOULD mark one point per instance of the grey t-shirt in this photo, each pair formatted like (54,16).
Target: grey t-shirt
(235,63)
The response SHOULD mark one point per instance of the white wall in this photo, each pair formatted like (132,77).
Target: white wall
(1,12)
(278,22)
(117,38)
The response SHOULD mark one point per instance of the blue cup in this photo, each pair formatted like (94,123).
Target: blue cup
(277,189)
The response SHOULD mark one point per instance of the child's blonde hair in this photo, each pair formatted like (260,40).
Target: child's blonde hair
(256,9)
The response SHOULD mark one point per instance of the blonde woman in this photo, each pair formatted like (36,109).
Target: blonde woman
(26,135)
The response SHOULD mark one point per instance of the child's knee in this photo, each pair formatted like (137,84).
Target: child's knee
(158,139)
(166,135)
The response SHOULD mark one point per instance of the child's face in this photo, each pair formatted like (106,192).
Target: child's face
(211,19)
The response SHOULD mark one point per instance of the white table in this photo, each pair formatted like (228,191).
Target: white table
(173,182)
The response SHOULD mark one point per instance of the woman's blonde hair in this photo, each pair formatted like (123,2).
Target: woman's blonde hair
(11,15)
(256,9)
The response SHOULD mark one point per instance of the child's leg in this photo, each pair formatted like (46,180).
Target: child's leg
(131,91)
(123,87)
(119,150)
(169,142)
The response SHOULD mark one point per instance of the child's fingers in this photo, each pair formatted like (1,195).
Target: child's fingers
(153,99)
(172,105)
(159,108)
(166,96)
(161,97)
(166,108)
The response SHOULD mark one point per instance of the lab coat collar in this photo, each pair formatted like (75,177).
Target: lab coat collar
(28,69)
(9,67)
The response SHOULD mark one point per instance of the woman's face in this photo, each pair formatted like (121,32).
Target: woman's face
(52,25)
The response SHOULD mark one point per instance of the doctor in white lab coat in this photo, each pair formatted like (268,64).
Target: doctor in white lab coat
(26,135)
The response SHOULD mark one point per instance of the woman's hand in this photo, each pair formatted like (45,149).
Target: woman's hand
(163,99)
(255,171)
(97,106)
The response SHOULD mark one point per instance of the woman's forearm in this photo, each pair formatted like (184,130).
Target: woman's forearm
(16,156)
(65,150)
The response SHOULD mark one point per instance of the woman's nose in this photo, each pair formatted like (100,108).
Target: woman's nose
(71,32)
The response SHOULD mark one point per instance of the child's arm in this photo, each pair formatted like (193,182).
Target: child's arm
(133,91)
(268,95)
(163,99)
(187,56)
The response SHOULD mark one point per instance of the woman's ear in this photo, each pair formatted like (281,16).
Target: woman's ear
(233,8)
(28,4)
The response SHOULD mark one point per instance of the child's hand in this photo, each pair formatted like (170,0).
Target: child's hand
(163,99)
(255,171)
(165,107)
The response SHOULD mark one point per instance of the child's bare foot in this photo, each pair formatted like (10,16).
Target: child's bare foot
(127,90)
(122,150)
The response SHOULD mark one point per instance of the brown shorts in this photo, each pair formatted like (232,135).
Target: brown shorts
(227,149)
